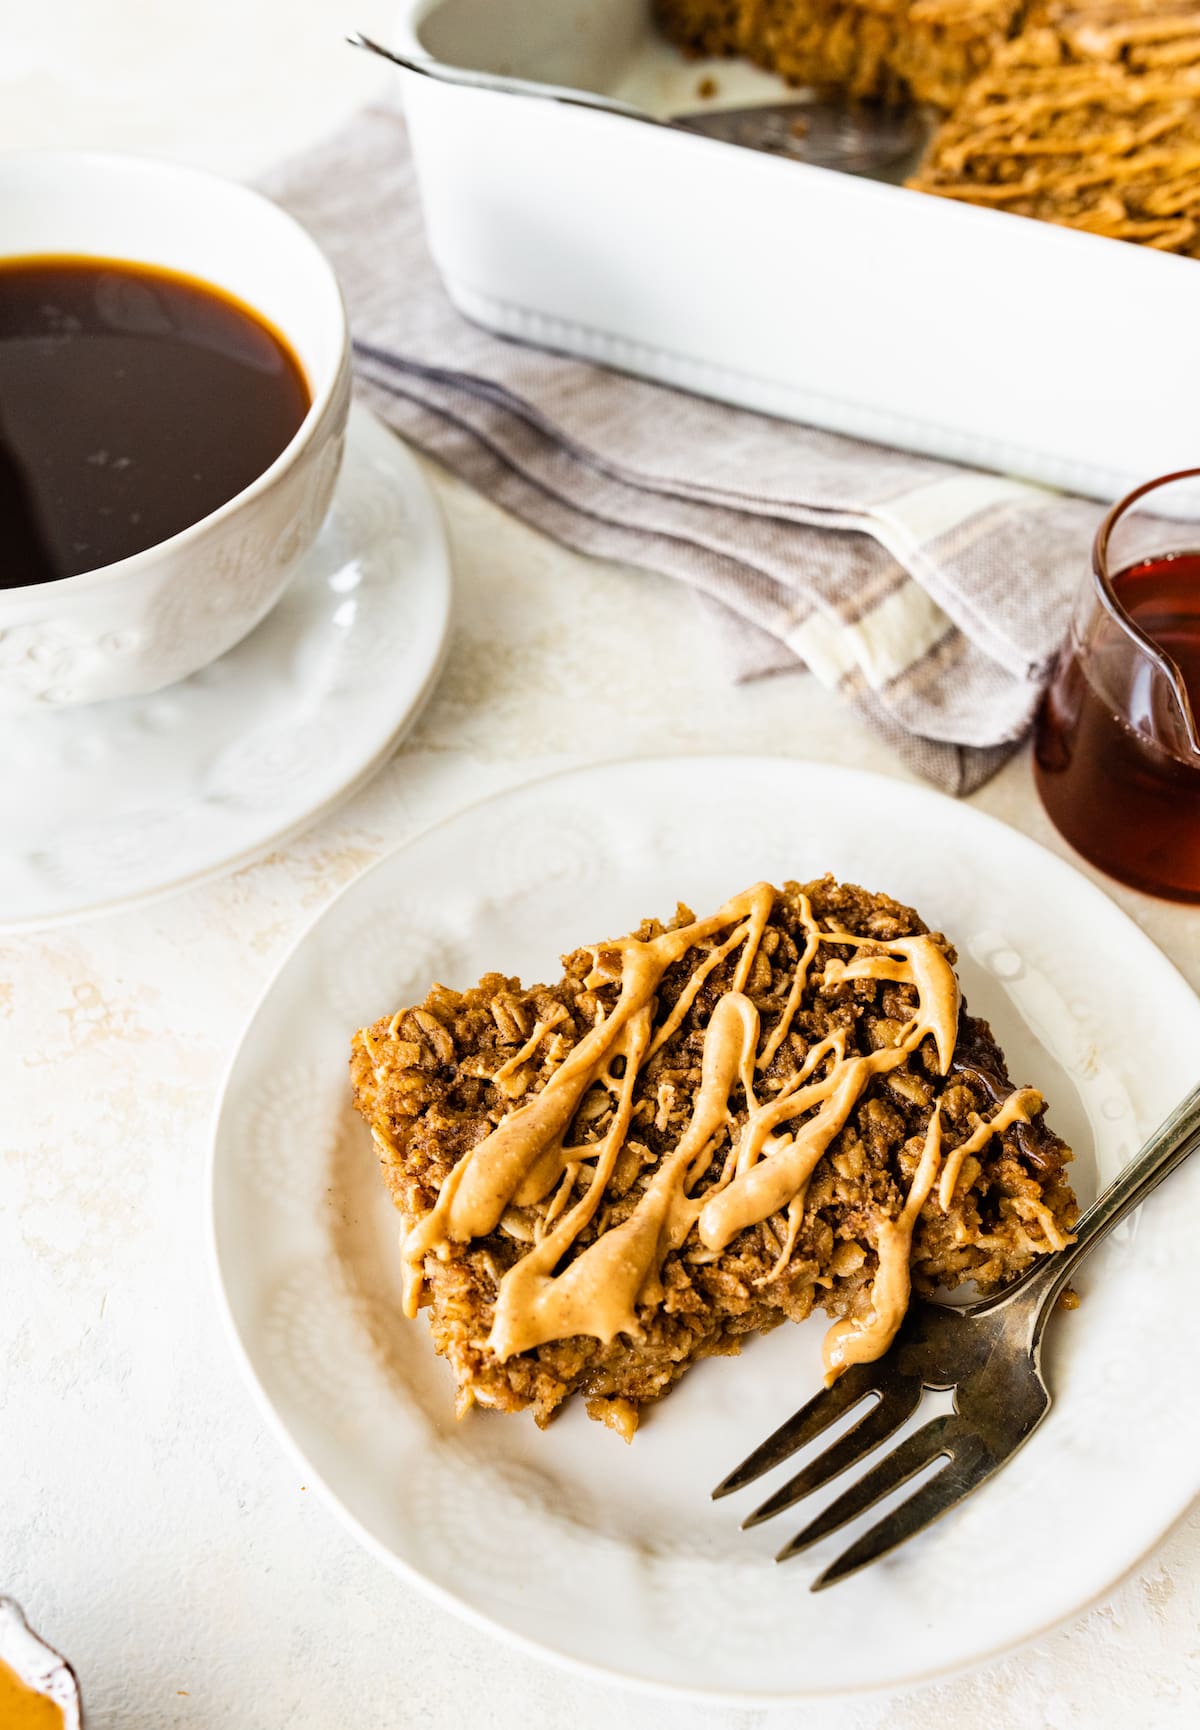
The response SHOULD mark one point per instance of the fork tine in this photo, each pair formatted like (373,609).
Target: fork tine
(914,1453)
(898,1402)
(822,1410)
(971,1464)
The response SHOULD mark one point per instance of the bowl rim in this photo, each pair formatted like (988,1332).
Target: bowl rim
(324,398)
(36,1664)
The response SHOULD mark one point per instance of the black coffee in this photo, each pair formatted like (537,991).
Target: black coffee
(132,403)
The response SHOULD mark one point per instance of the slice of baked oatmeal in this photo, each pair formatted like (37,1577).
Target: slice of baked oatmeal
(700,1131)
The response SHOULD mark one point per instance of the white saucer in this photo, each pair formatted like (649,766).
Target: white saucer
(613,1559)
(110,804)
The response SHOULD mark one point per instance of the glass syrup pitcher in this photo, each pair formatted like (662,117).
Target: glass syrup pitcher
(1116,744)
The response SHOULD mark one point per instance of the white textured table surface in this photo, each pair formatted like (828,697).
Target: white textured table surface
(149,1524)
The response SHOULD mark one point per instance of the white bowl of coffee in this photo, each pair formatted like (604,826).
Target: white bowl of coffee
(174,385)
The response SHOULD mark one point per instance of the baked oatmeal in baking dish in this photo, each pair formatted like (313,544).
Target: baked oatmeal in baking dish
(1085,113)
(701,1130)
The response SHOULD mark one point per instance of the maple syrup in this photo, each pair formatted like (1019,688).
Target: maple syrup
(1114,758)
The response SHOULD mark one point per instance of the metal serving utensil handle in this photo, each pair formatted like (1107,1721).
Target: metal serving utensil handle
(1175,1138)
(495,81)
(857,138)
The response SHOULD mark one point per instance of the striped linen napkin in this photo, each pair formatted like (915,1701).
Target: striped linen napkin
(933,597)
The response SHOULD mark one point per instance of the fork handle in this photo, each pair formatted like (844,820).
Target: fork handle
(1175,1138)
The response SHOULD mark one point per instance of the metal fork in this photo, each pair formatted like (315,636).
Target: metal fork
(988,1354)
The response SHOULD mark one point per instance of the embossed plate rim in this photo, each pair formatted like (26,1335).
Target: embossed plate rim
(1088,904)
(367,435)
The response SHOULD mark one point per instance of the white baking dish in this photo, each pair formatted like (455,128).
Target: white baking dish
(819,296)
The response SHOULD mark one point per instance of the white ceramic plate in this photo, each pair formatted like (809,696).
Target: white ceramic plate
(614,1558)
(112,803)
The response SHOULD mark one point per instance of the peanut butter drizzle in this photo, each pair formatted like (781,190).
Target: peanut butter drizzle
(767,1168)
(799,981)
(688,995)
(763,1186)
(1019,1107)
(507,1072)
(598,1292)
(862,1341)
(483,1183)
(543,1174)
